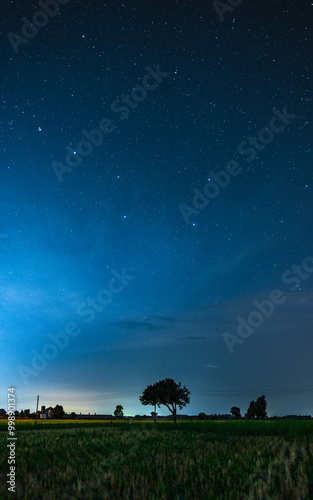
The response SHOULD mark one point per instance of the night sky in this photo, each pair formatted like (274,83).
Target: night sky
(116,269)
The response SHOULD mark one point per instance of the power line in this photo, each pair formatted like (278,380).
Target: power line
(94,397)
(80,398)
(280,391)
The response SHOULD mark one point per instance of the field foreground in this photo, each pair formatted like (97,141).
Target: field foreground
(69,460)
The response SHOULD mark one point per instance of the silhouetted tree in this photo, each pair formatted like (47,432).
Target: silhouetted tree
(202,416)
(213,416)
(118,413)
(260,407)
(57,411)
(251,411)
(167,393)
(154,416)
(73,415)
(26,413)
(257,409)
(235,411)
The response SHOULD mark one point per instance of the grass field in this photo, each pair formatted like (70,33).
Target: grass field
(67,460)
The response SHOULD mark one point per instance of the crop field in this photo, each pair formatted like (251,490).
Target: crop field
(69,460)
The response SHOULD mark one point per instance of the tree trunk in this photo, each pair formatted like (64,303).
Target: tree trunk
(174,415)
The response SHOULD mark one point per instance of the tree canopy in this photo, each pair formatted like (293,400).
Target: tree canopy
(118,412)
(257,409)
(167,393)
(235,411)
(58,411)
(203,416)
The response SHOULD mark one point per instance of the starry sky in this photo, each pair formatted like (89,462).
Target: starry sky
(116,270)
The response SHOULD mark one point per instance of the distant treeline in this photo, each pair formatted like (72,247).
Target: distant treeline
(95,416)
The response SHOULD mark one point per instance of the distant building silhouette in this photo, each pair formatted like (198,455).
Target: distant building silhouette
(45,412)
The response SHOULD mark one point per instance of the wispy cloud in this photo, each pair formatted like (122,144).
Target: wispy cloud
(169,319)
(189,337)
(134,325)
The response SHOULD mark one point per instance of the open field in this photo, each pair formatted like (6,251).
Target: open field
(63,460)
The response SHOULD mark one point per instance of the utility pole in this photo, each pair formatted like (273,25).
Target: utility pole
(36,409)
